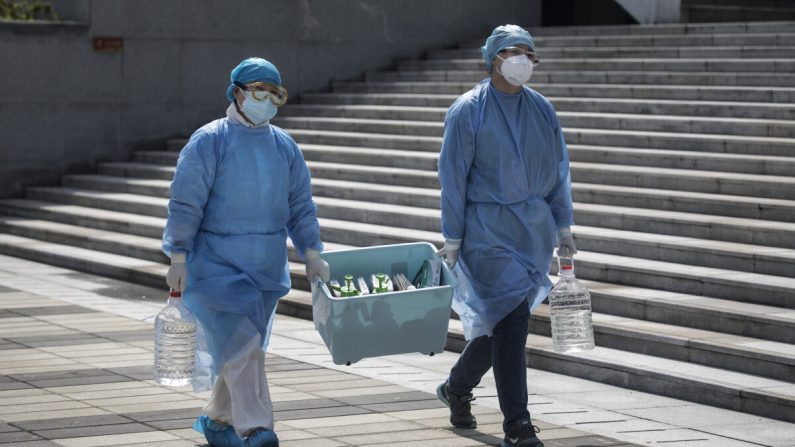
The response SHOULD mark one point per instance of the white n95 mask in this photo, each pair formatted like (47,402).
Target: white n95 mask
(516,69)
(257,111)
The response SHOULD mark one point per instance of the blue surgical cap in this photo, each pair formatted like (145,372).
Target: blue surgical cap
(252,69)
(504,36)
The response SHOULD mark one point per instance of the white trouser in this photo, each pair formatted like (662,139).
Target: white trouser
(240,396)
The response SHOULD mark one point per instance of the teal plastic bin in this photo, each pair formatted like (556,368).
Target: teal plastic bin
(366,326)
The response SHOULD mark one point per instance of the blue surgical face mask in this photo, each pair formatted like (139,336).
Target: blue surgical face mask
(257,111)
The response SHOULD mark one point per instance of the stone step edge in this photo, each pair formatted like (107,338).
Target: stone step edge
(337,223)
(294,109)
(157,183)
(119,216)
(592,232)
(597,258)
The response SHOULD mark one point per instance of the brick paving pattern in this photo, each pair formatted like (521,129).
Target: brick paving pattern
(77,377)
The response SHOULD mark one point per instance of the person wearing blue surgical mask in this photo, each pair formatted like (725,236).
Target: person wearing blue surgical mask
(506,204)
(241,187)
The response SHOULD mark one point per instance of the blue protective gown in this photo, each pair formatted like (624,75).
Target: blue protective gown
(504,172)
(236,195)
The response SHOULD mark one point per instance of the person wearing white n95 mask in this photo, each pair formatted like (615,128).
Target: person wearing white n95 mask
(505,202)
(241,187)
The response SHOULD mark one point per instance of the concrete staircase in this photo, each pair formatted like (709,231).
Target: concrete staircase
(736,10)
(682,141)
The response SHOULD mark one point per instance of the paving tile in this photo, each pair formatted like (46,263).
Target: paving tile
(173,424)
(163,415)
(318,413)
(41,443)
(47,406)
(63,309)
(405,406)
(47,414)
(429,435)
(95,430)
(361,429)
(15,437)
(114,440)
(71,422)
(406,396)
(306,404)
(371,418)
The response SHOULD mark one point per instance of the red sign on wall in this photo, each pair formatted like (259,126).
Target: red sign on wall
(108,43)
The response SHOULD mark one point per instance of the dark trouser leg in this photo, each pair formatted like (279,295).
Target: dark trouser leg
(510,365)
(473,363)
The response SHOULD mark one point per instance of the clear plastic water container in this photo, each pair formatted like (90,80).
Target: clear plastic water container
(397,322)
(175,343)
(570,311)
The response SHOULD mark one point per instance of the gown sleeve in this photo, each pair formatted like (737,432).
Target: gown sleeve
(559,198)
(190,189)
(302,226)
(455,160)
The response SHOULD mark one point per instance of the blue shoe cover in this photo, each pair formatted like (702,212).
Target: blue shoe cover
(217,435)
(262,438)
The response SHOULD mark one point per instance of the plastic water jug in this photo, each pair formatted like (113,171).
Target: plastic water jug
(175,343)
(570,311)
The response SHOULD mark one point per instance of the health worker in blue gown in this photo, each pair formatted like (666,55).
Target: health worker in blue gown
(241,187)
(506,203)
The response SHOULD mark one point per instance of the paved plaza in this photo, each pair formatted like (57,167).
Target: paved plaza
(76,356)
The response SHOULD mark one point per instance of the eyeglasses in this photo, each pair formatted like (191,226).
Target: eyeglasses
(516,51)
(260,91)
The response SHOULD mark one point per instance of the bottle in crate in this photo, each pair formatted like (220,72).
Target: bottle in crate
(175,343)
(570,311)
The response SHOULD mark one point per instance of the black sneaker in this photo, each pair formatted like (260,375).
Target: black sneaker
(460,409)
(522,434)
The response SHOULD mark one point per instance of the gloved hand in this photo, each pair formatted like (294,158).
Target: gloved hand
(566,248)
(316,266)
(177,275)
(450,251)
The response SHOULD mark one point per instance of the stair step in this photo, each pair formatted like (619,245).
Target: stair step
(125,268)
(374,174)
(694,251)
(91,217)
(784,95)
(646,52)
(781,35)
(715,349)
(687,250)
(666,377)
(776,67)
(727,30)
(376,193)
(546,75)
(128,203)
(416,135)
(762,186)
(685,202)
(109,183)
(702,226)
(580,119)
(99,241)
(727,109)
(679,159)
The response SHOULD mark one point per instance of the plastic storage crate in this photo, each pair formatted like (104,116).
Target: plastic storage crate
(373,325)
